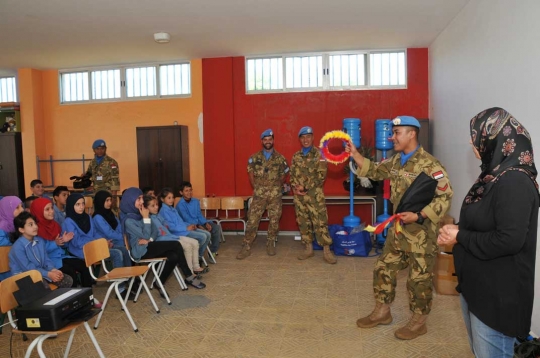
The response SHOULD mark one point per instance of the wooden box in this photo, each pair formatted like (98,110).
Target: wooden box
(445,280)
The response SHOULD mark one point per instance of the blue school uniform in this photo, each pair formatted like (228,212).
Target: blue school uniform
(28,255)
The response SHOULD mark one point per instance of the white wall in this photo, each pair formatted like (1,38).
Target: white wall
(488,56)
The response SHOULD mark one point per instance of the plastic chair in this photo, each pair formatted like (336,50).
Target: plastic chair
(210,208)
(8,303)
(156,264)
(234,207)
(96,252)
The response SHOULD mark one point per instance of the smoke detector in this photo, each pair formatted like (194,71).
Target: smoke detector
(162,37)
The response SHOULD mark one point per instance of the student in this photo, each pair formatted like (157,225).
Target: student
(54,241)
(10,207)
(189,209)
(36,186)
(177,226)
(60,195)
(190,246)
(148,190)
(137,225)
(107,224)
(28,253)
(28,202)
(83,228)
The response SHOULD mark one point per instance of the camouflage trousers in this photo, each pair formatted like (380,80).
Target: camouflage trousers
(419,282)
(256,209)
(312,218)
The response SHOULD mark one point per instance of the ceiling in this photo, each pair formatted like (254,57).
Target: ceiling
(79,33)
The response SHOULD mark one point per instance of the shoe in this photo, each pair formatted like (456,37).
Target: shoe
(97,304)
(196,283)
(414,328)
(270,248)
(380,315)
(307,253)
(245,252)
(202,271)
(124,293)
(328,255)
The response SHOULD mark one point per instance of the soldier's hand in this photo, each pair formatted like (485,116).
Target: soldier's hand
(351,148)
(408,217)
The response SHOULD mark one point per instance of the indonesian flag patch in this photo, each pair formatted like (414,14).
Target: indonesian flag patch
(438,175)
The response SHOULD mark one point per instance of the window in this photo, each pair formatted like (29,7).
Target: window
(8,89)
(74,87)
(126,83)
(327,71)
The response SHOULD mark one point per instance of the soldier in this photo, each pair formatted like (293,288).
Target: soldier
(267,170)
(415,246)
(104,170)
(308,172)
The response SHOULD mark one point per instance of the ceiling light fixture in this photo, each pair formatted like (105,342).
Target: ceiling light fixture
(162,37)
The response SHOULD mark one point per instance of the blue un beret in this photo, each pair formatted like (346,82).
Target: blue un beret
(98,143)
(305,130)
(267,133)
(406,121)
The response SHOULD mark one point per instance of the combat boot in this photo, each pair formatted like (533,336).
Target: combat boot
(414,328)
(380,315)
(245,252)
(307,253)
(270,247)
(329,255)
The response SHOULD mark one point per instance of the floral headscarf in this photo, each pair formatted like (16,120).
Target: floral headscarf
(504,145)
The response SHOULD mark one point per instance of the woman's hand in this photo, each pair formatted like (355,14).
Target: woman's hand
(67,237)
(145,213)
(143,242)
(110,243)
(448,235)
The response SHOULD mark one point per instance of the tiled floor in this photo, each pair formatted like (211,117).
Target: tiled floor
(266,307)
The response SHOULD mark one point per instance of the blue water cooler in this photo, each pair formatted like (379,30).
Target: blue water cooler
(351,126)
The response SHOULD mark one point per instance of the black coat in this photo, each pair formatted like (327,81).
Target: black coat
(496,252)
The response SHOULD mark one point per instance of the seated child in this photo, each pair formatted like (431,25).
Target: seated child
(28,202)
(107,224)
(60,195)
(177,226)
(137,225)
(28,253)
(189,209)
(148,190)
(10,207)
(190,246)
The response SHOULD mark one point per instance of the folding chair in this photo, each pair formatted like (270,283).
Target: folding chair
(210,208)
(156,264)
(96,252)
(233,207)
(8,302)
(89,204)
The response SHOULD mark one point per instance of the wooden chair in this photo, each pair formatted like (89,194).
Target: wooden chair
(96,252)
(89,204)
(234,210)
(156,264)
(8,303)
(4,267)
(176,201)
(210,208)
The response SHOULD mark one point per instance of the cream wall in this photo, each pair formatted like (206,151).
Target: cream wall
(488,56)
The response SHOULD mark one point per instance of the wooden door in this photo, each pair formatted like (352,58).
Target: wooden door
(11,165)
(163,156)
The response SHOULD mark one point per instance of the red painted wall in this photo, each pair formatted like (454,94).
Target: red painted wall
(233,121)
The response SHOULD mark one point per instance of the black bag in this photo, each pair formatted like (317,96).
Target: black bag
(528,349)
(81,182)
(418,195)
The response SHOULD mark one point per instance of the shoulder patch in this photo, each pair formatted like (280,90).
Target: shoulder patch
(438,175)
(250,160)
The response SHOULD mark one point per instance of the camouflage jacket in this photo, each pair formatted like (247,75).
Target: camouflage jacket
(414,237)
(108,171)
(309,170)
(268,174)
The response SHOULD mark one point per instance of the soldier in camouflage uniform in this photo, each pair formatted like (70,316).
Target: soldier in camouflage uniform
(416,246)
(308,172)
(103,170)
(267,170)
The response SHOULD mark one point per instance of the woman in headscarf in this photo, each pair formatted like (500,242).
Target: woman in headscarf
(80,224)
(495,242)
(54,241)
(10,207)
(107,224)
(136,223)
